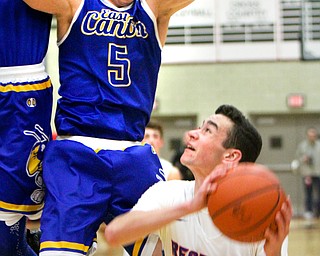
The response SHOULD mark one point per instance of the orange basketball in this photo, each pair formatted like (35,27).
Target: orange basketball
(246,202)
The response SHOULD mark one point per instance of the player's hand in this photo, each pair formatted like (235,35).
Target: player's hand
(274,239)
(208,186)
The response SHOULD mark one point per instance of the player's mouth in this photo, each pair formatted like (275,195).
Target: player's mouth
(188,146)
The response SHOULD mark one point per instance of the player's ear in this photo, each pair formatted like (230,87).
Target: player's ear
(232,155)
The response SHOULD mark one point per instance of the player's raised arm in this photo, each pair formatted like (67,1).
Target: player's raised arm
(169,7)
(49,6)
(163,10)
(63,10)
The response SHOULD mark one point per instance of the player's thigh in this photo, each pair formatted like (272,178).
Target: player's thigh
(77,197)
(134,171)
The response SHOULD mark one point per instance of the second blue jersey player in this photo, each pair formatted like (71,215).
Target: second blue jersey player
(109,59)
(25,115)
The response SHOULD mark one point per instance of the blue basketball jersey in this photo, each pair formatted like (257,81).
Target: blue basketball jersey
(20,25)
(109,63)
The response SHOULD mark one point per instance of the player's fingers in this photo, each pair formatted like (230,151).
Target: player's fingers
(231,165)
(275,233)
(279,231)
(283,218)
(280,221)
(268,234)
(208,185)
(287,213)
(220,171)
(290,207)
(212,188)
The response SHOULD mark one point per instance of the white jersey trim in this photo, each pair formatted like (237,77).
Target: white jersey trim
(75,17)
(148,10)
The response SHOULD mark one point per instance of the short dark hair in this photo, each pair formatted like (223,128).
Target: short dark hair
(243,135)
(155,126)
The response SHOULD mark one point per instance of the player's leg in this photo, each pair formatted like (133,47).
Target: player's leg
(134,171)
(24,135)
(13,239)
(75,198)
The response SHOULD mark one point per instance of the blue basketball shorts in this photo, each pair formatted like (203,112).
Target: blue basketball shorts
(25,116)
(87,186)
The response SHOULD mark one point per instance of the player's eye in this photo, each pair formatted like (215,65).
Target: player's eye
(205,129)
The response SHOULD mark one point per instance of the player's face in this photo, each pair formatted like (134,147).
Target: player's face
(153,137)
(204,149)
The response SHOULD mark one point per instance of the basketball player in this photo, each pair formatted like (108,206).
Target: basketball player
(154,136)
(176,210)
(25,114)
(109,59)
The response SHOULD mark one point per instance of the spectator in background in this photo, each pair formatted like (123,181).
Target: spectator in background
(154,136)
(186,174)
(308,157)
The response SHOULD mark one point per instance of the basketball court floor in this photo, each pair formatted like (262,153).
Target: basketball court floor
(304,240)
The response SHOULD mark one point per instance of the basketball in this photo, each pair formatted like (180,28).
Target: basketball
(246,201)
